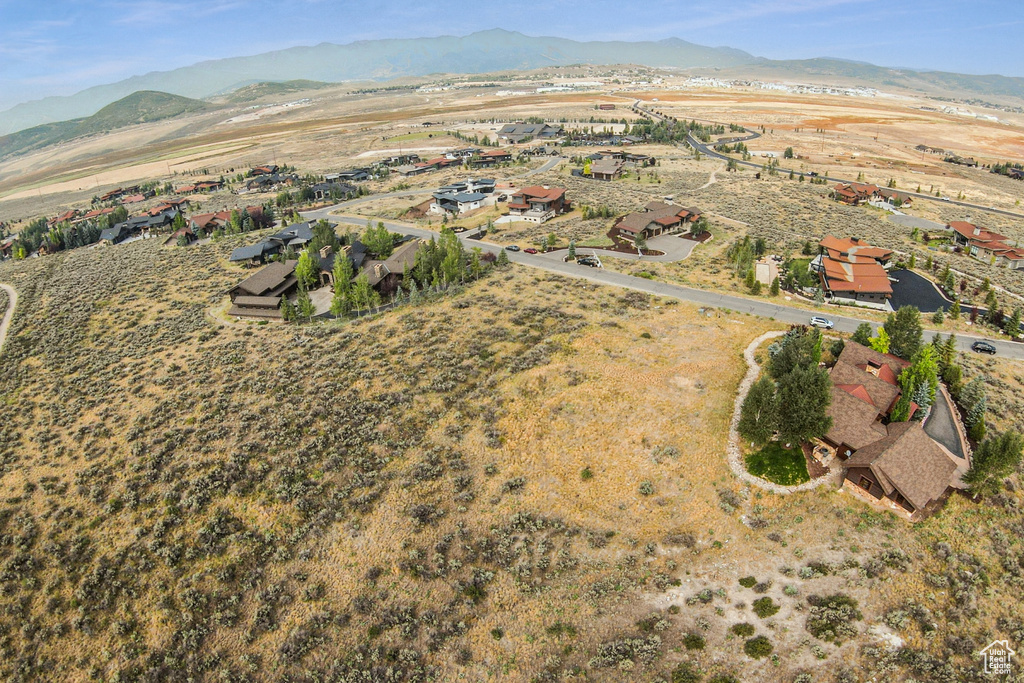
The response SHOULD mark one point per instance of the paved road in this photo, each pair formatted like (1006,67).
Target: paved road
(766,308)
(8,314)
(920,223)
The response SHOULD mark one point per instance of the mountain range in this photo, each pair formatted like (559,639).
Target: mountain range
(480,52)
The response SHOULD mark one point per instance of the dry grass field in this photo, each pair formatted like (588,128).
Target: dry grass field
(524,481)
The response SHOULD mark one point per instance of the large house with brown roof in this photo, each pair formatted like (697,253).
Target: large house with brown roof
(986,245)
(657,218)
(854,270)
(259,296)
(538,203)
(898,462)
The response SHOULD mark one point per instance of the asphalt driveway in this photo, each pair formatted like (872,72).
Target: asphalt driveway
(941,427)
(915,290)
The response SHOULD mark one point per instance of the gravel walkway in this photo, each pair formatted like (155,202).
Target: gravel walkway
(12,301)
(733,449)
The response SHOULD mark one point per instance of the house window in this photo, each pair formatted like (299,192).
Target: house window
(864,483)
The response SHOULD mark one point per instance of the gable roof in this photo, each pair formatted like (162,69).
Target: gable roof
(907,460)
(855,422)
(269,281)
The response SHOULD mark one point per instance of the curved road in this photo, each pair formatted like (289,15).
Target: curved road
(761,307)
(8,314)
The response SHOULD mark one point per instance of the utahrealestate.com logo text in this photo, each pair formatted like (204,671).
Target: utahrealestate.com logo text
(996,657)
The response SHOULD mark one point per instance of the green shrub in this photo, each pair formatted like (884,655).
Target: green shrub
(694,641)
(586,474)
(686,673)
(758,647)
(743,630)
(765,607)
(723,678)
(831,618)
(497,633)
(748,581)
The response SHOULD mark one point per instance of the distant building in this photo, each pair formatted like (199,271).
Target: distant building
(519,132)
(657,218)
(987,245)
(537,204)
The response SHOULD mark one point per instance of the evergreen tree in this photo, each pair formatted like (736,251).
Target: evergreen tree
(502,259)
(995,459)
(342,275)
(863,334)
(759,414)
(905,332)
(954,310)
(1013,324)
(774,290)
(800,347)
(287,310)
(572,250)
(938,317)
(804,396)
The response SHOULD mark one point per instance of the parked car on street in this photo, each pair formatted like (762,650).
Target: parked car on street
(512,247)
(824,323)
(983,347)
(530,250)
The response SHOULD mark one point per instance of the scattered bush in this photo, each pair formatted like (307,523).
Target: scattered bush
(765,607)
(758,647)
(743,630)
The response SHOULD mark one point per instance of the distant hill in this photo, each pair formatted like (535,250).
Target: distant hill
(481,52)
(139,107)
(259,91)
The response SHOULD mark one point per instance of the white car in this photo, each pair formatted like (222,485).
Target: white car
(818,321)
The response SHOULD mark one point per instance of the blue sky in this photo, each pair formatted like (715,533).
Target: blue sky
(59,47)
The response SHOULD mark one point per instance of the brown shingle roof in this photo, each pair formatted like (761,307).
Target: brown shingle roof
(854,422)
(908,461)
(268,281)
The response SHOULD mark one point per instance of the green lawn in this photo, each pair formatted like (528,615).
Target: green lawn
(779,465)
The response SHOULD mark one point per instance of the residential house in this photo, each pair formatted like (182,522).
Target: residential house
(491,157)
(855,193)
(93,215)
(657,218)
(606,169)
(205,223)
(185,232)
(201,186)
(259,296)
(854,270)
(385,275)
(115,234)
(895,461)
(329,190)
(269,182)
(7,246)
(521,132)
(296,236)
(895,198)
(987,245)
(354,175)
(65,217)
(268,169)
(140,225)
(457,202)
(537,203)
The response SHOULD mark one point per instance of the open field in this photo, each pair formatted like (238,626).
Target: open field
(536,458)
(523,481)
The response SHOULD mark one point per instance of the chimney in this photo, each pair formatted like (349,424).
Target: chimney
(546,187)
(378,270)
(326,251)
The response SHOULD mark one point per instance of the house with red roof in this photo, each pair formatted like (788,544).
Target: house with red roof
(986,245)
(538,203)
(854,270)
(855,193)
(657,218)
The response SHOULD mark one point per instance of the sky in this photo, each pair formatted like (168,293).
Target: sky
(59,47)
